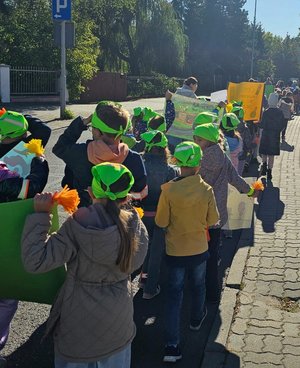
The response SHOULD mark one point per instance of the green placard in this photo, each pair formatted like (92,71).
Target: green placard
(16,283)
(269,88)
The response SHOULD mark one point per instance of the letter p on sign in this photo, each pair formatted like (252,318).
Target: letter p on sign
(61,4)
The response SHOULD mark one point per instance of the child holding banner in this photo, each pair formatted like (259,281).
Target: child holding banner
(92,318)
(217,170)
(156,159)
(12,188)
(186,208)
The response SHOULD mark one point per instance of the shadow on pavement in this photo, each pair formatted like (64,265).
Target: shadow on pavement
(270,208)
(284,146)
(33,353)
(148,346)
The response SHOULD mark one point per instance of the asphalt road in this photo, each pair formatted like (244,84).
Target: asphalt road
(24,348)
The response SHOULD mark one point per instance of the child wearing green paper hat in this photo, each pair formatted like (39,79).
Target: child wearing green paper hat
(205,118)
(228,126)
(217,170)
(15,127)
(186,208)
(101,245)
(140,119)
(108,123)
(156,159)
(246,136)
(157,123)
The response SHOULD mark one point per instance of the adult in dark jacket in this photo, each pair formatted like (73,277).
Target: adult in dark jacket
(156,162)
(272,124)
(109,122)
(32,128)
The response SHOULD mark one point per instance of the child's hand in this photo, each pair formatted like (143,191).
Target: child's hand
(43,202)
(87,121)
(169,95)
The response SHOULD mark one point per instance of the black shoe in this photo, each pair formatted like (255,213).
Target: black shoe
(269,174)
(172,354)
(196,323)
(263,171)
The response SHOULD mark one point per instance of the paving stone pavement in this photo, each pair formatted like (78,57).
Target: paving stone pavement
(266,327)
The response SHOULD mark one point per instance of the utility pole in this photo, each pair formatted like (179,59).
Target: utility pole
(63,76)
(253,40)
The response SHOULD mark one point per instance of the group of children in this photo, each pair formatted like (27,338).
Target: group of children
(184,199)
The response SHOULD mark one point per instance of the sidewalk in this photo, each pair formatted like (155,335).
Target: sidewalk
(265,323)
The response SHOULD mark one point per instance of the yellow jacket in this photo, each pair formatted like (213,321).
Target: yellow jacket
(186,208)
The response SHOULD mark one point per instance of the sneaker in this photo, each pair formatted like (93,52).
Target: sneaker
(269,174)
(172,354)
(263,171)
(151,296)
(196,323)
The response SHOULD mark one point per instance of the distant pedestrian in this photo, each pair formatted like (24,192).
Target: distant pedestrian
(189,88)
(272,124)
(286,105)
(186,208)
(92,317)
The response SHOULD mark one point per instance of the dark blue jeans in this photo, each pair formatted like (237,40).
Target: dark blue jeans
(212,277)
(153,258)
(176,279)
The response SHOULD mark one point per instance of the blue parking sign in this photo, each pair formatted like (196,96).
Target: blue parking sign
(61,9)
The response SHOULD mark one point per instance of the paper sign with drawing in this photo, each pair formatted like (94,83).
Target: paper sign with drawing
(186,110)
(240,208)
(19,160)
(251,94)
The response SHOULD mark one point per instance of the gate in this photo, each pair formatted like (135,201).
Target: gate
(32,81)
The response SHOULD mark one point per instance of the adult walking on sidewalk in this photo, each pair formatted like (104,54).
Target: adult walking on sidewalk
(272,124)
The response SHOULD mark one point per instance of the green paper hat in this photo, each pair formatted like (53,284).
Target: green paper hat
(103,127)
(205,118)
(209,132)
(12,125)
(188,154)
(107,174)
(148,114)
(237,103)
(230,121)
(154,138)
(162,127)
(137,111)
(238,111)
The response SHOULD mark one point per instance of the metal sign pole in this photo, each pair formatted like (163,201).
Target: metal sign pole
(253,40)
(63,77)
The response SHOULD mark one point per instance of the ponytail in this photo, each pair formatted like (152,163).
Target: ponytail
(128,245)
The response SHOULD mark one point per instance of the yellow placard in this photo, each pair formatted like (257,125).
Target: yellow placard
(251,94)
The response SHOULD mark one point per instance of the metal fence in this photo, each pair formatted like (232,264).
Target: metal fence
(33,81)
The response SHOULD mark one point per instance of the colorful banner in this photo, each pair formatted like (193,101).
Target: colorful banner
(251,94)
(269,88)
(18,159)
(240,208)
(186,109)
(16,283)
